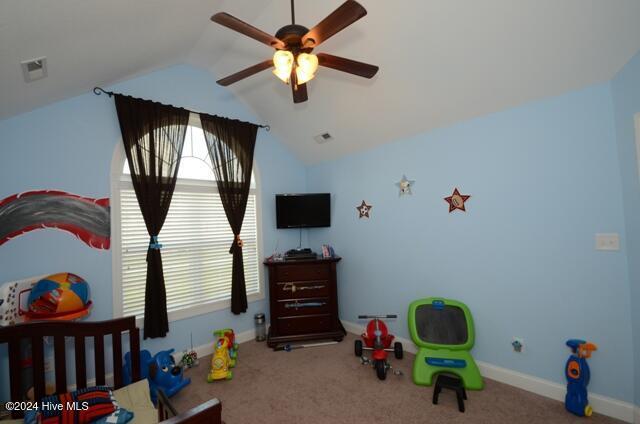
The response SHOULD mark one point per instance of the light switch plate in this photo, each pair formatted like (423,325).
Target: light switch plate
(610,241)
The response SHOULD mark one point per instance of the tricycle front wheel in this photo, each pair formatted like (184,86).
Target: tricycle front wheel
(381,369)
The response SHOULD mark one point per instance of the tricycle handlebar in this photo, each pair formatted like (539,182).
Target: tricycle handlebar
(393,316)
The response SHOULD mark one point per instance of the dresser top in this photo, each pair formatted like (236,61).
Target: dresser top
(318,260)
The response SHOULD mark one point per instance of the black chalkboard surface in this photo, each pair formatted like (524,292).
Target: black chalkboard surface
(444,324)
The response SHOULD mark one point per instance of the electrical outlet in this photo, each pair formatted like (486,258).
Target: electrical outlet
(518,344)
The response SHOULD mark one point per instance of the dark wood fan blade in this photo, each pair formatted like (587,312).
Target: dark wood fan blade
(299,90)
(242,27)
(339,19)
(245,73)
(347,65)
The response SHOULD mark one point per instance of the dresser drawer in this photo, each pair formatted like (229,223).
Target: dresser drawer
(301,272)
(304,325)
(301,289)
(290,308)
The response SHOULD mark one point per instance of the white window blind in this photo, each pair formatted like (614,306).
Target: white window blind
(195,239)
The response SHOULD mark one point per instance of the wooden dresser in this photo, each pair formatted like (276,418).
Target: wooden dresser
(303,301)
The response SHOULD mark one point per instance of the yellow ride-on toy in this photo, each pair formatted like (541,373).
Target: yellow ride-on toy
(220,362)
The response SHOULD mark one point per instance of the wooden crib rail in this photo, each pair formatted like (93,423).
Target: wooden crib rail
(79,331)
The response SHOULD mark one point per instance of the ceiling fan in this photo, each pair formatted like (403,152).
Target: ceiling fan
(293,61)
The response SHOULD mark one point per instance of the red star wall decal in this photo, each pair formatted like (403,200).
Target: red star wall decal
(456,200)
(363,210)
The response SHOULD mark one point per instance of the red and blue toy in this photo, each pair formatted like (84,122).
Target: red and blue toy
(578,375)
(378,340)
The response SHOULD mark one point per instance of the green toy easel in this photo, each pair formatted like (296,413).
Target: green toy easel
(443,331)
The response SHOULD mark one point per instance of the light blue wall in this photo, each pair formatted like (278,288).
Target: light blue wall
(69,146)
(626,98)
(544,179)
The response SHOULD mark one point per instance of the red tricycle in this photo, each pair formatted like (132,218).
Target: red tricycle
(378,339)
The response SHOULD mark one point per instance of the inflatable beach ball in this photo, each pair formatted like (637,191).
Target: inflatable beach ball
(63,296)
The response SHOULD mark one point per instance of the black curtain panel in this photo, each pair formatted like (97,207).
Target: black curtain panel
(231,144)
(153,136)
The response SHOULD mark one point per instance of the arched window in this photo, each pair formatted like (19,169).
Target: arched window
(195,241)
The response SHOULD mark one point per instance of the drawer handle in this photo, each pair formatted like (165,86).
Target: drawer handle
(297,305)
(293,288)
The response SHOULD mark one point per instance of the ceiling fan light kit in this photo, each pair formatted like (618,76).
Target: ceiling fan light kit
(307,65)
(293,61)
(283,63)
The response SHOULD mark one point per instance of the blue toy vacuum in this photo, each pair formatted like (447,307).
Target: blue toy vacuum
(578,375)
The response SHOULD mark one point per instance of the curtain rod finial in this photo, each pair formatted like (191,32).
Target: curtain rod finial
(99,90)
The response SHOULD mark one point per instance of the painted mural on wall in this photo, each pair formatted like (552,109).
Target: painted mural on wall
(88,219)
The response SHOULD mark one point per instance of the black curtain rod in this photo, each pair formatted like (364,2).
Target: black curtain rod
(99,90)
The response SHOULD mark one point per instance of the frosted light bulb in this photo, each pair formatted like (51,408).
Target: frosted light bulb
(307,67)
(283,62)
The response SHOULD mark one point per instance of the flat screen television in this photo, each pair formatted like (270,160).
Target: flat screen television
(303,210)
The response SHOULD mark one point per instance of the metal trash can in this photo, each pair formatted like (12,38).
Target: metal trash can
(261,327)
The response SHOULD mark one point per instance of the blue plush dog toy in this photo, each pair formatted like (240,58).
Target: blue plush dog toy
(161,372)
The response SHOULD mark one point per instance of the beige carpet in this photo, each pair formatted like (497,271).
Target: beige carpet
(329,385)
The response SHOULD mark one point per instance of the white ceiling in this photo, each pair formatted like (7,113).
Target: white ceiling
(91,42)
(441,61)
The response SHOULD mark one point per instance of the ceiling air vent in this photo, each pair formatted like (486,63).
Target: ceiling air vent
(34,69)
(323,138)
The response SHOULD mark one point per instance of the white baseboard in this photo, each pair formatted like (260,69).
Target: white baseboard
(207,349)
(604,405)
(601,404)
(204,350)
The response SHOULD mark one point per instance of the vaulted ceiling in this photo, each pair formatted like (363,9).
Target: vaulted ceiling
(441,61)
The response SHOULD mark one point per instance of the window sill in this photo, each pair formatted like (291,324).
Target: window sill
(204,309)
